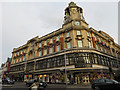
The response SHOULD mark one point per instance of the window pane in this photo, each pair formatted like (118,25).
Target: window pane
(95,38)
(45,51)
(97,46)
(78,33)
(68,45)
(51,50)
(58,48)
(39,53)
(50,40)
(31,55)
(45,42)
(40,44)
(88,34)
(89,44)
(57,38)
(68,34)
(80,43)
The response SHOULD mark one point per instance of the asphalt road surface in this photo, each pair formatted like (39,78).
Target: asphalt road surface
(22,86)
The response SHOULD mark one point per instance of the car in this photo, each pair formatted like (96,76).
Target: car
(44,84)
(102,84)
(7,81)
(30,82)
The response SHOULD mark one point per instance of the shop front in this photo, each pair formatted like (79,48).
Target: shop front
(28,76)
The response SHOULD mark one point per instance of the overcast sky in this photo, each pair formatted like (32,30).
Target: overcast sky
(23,21)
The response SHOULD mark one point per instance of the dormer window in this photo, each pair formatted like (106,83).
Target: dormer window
(68,34)
(78,32)
(57,38)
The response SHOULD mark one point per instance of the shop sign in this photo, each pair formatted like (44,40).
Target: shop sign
(80,65)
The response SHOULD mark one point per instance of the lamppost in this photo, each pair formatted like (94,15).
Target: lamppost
(65,69)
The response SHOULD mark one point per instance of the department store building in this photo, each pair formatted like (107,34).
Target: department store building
(88,54)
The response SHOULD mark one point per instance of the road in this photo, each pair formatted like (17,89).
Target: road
(22,86)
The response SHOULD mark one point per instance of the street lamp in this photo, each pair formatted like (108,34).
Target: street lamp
(65,69)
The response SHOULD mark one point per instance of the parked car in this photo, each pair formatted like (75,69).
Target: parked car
(102,84)
(7,81)
(44,84)
(30,82)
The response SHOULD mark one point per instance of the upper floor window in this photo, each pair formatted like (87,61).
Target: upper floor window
(58,48)
(31,55)
(20,59)
(45,51)
(68,34)
(89,44)
(99,40)
(24,58)
(105,50)
(78,32)
(80,44)
(14,60)
(18,53)
(51,41)
(25,51)
(17,60)
(40,44)
(39,53)
(45,42)
(57,38)
(51,49)
(101,48)
(95,38)
(68,45)
(97,46)
(88,34)
(21,52)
